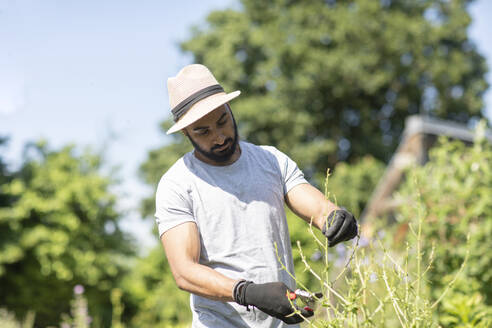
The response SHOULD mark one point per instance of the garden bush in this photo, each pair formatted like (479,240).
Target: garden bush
(455,189)
(437,274)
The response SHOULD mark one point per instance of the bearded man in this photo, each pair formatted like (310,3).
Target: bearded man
(221,218)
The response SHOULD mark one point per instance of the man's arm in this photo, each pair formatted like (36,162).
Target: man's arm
(337,224)
(182,246)
(308,202)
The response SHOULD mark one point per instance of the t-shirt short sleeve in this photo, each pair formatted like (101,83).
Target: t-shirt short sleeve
(173,205)
(291,173)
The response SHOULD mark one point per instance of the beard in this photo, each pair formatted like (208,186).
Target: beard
(223,156)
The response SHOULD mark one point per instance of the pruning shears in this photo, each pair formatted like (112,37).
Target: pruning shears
(307,298)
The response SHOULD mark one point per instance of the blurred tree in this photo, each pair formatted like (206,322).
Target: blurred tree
(333,80)
(4,176)
(59,228)
(151,296)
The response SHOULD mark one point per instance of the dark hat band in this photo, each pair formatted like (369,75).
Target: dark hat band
(186,104)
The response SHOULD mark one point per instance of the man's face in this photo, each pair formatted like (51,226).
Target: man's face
(214,136)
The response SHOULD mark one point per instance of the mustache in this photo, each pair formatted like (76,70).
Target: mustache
(227,141)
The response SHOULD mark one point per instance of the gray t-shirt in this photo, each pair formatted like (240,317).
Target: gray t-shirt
(239,212)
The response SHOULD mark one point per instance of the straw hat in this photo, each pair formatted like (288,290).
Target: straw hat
(194,93)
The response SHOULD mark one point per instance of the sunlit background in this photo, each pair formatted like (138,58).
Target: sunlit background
(94,73)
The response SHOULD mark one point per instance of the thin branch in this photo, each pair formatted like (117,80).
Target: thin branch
(303,258)
(456,275)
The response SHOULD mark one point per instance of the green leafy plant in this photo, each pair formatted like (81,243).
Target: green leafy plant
(456,191)
(376,283)
(465,310)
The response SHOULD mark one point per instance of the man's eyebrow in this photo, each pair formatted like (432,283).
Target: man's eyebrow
(200,128)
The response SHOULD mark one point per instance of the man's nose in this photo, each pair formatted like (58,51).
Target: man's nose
(219,138)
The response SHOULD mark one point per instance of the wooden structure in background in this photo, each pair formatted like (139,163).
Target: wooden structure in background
(418,137)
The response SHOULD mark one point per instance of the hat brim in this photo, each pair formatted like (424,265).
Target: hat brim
(202,108)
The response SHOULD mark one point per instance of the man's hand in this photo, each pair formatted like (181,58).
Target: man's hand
(340,226)
(271,298)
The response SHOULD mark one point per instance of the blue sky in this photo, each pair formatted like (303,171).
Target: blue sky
(94,73)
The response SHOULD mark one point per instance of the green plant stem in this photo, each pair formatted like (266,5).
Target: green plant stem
(349,260)
(314,235)
(303,258)
(394,301)
(286,270)
(431,260)
(451,283)
(419,259)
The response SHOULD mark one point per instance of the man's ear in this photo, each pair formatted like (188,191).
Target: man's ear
(184,132)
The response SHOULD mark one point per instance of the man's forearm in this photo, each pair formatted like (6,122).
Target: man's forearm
(309,203)
(204,281)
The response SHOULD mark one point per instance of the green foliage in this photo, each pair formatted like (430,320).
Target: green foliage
(326,81)
(435,275)
(316,74)
(8,320)
(151,296)
(461,310)
(456,191)
(59,228)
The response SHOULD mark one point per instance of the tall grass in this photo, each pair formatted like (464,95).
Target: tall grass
(380,283)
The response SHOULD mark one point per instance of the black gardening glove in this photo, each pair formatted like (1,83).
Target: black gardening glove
(271,298)
(340,226)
